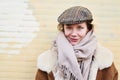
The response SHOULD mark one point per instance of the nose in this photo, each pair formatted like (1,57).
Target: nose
(74,32)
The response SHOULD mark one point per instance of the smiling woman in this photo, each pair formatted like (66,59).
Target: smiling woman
(76,53)
(75,32)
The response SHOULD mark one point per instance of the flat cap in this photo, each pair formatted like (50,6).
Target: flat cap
(75,15)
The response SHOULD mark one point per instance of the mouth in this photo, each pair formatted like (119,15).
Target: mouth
(73,40)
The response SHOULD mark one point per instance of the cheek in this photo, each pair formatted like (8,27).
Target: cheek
(67,33)
(82,33)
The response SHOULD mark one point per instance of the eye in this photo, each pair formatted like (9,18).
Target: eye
(80,27)
(68,27)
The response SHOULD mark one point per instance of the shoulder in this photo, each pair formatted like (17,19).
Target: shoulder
(46,61)
(110,73)
(103,57)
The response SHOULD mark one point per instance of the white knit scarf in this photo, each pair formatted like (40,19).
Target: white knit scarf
(74,61)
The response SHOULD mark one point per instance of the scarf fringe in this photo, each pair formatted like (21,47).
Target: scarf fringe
(66,73)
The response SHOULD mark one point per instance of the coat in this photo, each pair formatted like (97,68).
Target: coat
(102,67)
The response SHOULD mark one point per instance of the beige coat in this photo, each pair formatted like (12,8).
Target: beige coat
(102,67)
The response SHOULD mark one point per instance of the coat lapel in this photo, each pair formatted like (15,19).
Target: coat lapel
(103,58)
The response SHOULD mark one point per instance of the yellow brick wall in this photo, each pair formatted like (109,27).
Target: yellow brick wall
(22,66)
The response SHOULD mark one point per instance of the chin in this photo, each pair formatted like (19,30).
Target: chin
(73,44)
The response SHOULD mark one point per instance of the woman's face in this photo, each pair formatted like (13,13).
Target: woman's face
(75,32)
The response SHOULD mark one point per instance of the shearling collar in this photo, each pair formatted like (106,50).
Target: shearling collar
(46,61)
(103,58)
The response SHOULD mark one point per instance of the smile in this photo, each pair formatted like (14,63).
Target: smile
(73,40)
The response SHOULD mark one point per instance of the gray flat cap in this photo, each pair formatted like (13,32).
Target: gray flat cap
(74,15)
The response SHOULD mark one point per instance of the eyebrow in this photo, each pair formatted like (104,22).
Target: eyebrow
(68,24)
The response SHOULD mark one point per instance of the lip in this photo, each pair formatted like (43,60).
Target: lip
(73,40)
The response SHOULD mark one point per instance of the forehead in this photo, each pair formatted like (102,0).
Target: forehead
(78,24)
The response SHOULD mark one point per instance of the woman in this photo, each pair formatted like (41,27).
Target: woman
(75,53)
